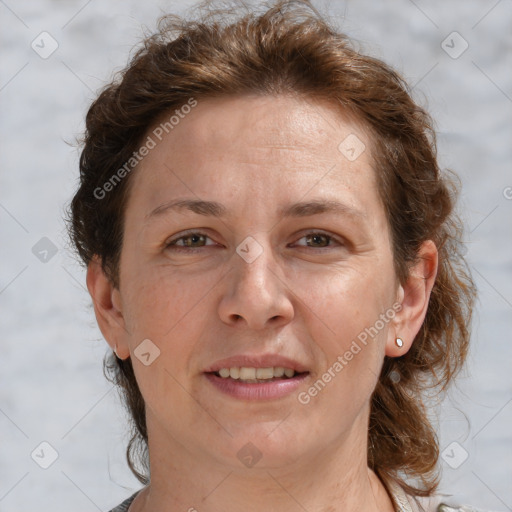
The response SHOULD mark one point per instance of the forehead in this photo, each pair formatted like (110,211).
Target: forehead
(265,143)
(262,121)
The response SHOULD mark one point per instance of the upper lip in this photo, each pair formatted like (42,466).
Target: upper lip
(257,361)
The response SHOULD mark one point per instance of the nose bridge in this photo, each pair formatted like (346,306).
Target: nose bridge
(253,264)
(254,290)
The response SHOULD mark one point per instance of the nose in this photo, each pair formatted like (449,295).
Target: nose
(255,293)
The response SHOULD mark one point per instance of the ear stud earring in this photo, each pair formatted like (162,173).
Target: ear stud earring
(399,342)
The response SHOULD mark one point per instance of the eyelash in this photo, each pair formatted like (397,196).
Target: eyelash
(171,244)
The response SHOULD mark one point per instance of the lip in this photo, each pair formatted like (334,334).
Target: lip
(257,361)
(257,391)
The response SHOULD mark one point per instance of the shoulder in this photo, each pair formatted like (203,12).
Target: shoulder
(437,503)
(123,507)
(441,503)
(403,502)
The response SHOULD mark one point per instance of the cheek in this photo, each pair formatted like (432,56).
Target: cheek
(158,300)
(347,310)
(167,309)
(348,328)
(347,302)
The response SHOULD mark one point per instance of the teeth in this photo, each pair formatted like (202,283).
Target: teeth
(246,373)
(264,373)
(251,374)
(279,371)
(234,373)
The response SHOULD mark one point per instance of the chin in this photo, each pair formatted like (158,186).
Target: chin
(262,449)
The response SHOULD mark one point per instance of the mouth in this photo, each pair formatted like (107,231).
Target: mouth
(250,383)
(253,375)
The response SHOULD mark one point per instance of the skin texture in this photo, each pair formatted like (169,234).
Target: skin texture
(304,297)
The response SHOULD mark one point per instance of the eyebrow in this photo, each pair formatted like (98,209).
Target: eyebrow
(301,209)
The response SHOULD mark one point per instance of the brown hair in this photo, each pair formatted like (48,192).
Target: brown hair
(291,49)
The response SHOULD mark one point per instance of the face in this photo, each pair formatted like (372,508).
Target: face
(259,274)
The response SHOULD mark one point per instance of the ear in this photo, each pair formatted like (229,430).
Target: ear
(106,299)
(414,297)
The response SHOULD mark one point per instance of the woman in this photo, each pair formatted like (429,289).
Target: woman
(273,258)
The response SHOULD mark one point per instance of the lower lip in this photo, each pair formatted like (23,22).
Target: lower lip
(257,391)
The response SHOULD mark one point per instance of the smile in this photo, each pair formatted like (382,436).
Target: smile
(256,383)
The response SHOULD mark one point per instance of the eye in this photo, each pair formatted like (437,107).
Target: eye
(319,240)
(188,242)
(193,241)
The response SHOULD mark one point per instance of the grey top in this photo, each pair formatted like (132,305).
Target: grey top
(402,502)
(123,507)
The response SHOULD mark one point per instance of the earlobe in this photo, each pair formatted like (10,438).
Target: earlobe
(107,308)
(415,296)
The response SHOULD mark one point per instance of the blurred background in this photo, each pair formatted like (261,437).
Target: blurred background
(62,429)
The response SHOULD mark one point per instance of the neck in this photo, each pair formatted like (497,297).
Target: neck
(331,480)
